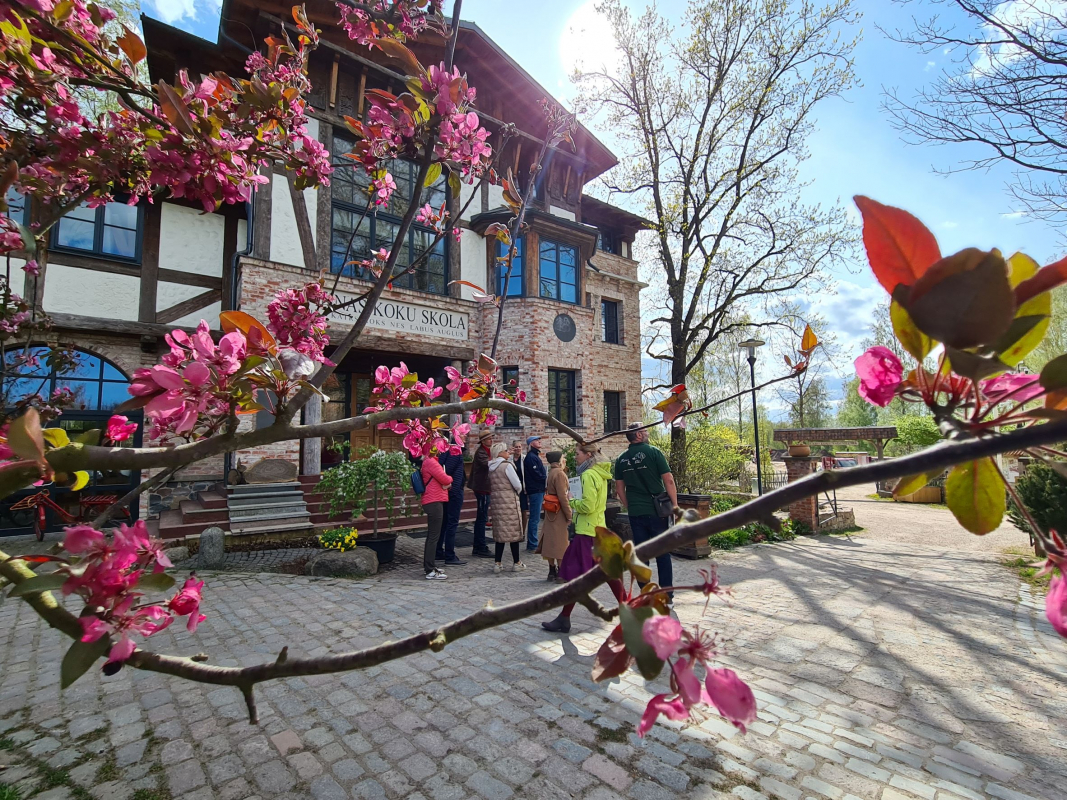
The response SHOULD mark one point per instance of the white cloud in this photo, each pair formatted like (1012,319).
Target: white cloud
(949,224)
(1014,215)
(929,66)
(172,11)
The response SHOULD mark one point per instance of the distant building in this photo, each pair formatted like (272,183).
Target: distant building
(120,277)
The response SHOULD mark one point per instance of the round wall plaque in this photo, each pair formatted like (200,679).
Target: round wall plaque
(564,327)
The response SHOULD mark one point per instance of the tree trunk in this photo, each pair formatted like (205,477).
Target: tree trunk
(677,455)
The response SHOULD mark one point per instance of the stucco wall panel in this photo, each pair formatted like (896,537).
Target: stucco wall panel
(71,290)
(190,241)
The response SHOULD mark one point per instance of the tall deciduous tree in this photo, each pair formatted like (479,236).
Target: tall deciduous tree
(713,120)
(1002,91)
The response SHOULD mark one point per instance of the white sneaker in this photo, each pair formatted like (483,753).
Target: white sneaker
(436,575)
(497,568)
(518,566)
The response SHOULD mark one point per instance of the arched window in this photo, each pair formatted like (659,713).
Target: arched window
(97,384)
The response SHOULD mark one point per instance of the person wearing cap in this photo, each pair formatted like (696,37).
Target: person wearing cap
(482,490)
(554,536)
(534,480)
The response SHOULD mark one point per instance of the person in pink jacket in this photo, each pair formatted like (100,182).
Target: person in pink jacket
(434,501)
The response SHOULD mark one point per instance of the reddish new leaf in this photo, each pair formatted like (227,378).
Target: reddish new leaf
(1047,278)
(132,46)
(899,247)
(612,659)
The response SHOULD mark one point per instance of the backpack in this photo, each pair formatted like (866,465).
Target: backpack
(418,485)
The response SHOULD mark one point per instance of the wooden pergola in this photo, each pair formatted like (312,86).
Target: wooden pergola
(876,435)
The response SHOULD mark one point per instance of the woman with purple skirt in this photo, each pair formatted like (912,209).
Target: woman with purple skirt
(595,471)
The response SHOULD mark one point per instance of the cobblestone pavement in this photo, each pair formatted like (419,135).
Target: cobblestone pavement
(881,670)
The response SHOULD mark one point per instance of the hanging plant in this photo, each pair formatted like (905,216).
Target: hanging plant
(347,485)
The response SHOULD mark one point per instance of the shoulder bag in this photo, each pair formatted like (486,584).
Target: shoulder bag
(661,501)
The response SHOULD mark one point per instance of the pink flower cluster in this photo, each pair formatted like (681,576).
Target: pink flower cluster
(880,373)
(297,321)
(463,142)
(190,393)
(119,429)
(722,689)
(107,576)
(401,387)
(382,188)
(376,19)
(438,220)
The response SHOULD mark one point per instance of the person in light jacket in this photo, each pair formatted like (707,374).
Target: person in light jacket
(434,500)
(553,543)
(507,518)
(595,471)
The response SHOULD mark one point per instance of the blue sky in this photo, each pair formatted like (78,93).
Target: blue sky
(854,149)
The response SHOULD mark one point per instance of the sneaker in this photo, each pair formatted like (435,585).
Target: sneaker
(436,575)
(518,566)
(454,562)
(497,568)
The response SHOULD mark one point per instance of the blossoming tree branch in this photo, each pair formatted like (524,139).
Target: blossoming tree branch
(211,139)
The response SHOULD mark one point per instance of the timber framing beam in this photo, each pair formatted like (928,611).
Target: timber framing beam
(179,310)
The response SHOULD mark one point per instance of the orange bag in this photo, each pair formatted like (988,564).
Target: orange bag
(551,504)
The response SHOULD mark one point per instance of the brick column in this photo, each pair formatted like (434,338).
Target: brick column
(806,510)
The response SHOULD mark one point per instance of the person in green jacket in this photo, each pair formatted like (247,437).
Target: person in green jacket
(595,471)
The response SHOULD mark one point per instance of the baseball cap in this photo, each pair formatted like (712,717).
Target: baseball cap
(530,439)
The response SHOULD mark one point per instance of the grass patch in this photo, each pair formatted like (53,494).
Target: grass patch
(847,531)
(9,793)
(6,744)
(152,794)
(618,735)
(108,771)
(1020,562)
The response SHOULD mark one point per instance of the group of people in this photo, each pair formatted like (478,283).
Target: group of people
(517,487)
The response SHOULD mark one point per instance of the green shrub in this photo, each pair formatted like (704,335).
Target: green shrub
(342,539)
(347,485)
(1044,493)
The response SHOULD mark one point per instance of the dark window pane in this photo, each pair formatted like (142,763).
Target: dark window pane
(16,205)
(509,374)
(515,282)
(567,256)
(612,412)
(75,233)
(548,288)
(86,393)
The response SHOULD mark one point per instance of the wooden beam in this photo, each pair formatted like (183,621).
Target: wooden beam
(179,310)
(146,310)
(77,322)
(192,278)
(262,210)
(229,250)
(361,94)
(62,259)
(333,79)
(303,223)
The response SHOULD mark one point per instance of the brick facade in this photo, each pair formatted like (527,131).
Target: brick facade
(806,510)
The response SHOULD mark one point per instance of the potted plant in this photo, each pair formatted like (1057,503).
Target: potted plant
(348,488)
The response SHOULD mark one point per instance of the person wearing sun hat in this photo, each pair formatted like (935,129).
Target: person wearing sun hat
(482,490)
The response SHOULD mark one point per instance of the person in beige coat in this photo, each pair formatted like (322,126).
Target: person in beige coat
(554,535)
(507,518)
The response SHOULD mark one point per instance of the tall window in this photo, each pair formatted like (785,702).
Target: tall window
(515,282)
(509,374)
(379,228)
(607,242)
(16,206)
(562,403)
(559,271)
(609,321)
(109,231)
(612,412)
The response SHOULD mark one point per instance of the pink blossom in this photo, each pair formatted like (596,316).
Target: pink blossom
(1056,604)
(1017,388)
(383,187)
(119,428)
(187,602)
(663,634)
(80,539)
(731,696)
(31,268)
(671,708)
(880,373)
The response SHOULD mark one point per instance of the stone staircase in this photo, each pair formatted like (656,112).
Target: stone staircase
(267,508)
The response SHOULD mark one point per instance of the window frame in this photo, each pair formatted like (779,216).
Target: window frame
(616,329)
(374,215)
(558,280)
(555,408)
(619,405)
(22,219)
(99,224)
(52,380)
(509,419)
(608,242)
(519,261)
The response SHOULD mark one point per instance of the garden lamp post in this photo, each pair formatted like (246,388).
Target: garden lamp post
(751,345)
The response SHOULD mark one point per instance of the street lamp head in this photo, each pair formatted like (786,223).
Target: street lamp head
(751,345)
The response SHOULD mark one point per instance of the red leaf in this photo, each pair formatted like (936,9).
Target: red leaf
(36,559)
(132,46)
(612,659)
(899,247)
(1046,278)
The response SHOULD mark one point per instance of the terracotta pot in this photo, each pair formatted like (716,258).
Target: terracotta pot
(799,450)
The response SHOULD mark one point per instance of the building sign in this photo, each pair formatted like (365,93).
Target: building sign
(400,317)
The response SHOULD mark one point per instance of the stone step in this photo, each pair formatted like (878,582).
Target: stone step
(211,500)
(261,488)
(265,499)
(278,525)
(269,511)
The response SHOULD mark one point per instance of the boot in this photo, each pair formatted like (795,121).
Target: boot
(560,624)
(551,573)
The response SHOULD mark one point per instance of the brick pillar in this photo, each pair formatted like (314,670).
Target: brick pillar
(806,510)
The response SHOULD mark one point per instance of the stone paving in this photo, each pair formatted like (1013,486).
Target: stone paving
(881,670)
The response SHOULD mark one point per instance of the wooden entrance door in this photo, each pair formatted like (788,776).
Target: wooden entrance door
(369,437)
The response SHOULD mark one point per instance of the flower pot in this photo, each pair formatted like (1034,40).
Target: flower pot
(799,450)
(384,547)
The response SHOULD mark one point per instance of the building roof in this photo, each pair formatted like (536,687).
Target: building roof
(834,435)
(596,211)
